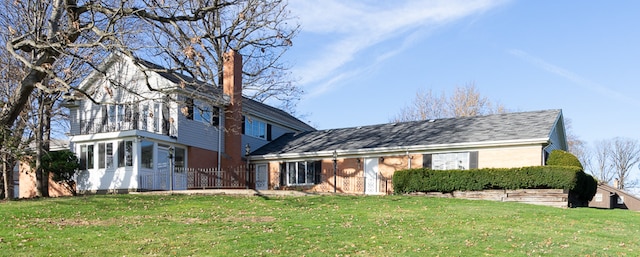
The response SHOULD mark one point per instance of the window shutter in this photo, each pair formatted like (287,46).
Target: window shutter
(189,103)
(283,174)
(105,116)
(318,172)
(426,161)
(244,124)
(473,160)
(269,132)
(215,117)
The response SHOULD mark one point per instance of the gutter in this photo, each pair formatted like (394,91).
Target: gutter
(382,151)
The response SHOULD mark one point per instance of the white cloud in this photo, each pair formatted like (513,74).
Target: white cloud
(350,27)
(573,77)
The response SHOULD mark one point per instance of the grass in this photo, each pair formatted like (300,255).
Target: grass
(134,225)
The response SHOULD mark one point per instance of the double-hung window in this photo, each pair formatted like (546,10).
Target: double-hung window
(255,128)
(201,111)
(125,153)
(105,155)
(86,157)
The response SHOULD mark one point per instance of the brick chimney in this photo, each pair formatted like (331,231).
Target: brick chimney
(232,86)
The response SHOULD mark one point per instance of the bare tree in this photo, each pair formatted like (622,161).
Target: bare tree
(45,35)
(578,147)
(603,169)
(625,153)
(424,106)
(466,101)
(57,42)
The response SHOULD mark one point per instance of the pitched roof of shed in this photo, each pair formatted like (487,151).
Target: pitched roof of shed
(489,128)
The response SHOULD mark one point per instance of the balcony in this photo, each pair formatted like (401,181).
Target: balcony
(135,122)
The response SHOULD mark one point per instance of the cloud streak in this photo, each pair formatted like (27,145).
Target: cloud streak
(350,28)
(573,77)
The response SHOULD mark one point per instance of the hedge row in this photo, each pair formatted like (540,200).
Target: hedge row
(538,177)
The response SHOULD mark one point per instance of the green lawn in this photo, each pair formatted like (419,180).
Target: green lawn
(132,225)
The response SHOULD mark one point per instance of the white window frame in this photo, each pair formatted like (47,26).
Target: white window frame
(450,161)
(202,111)
(255,128)
(295,167)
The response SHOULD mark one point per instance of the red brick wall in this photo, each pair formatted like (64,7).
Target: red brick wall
(201,158)
(232,86)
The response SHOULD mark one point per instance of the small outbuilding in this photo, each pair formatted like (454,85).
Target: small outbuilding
(608,197)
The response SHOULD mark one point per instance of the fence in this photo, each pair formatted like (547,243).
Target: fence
(162,180)
(350,185)
(212,178)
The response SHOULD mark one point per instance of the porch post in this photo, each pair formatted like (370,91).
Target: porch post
(171,149)
(335,170)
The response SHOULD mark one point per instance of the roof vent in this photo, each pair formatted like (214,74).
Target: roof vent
(432,120)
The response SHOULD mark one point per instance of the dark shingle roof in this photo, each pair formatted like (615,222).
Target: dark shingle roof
(490,128)
(274,114)
(250,106)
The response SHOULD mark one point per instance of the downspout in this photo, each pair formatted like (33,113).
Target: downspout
(220,140)
(544,151)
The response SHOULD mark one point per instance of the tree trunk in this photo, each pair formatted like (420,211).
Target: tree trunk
(7,176)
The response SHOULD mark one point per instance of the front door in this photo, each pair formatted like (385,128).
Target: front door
(261,177)
(161,179)
(371,176)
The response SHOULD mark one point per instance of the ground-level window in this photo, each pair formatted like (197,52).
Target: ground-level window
(451,161)
(301,173)
(179,159)
(105,155)
(86,157)
(146,154)
(125,153)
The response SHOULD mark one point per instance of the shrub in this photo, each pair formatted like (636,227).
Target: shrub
(563,158)
(63,165)
(538,177)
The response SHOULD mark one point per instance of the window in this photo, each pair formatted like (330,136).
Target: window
(203,112)
(146,154)
(302,173)
(86,157)
(156,117)
(598,197)
(105,155)
(145,116)
(125,157)
(179,160)
(451,161)
(255,128)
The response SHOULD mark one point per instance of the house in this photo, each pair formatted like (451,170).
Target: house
(143,126)
(608,197)
(25,178)
(363,159)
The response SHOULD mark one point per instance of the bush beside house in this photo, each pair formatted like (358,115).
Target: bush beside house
(563,171)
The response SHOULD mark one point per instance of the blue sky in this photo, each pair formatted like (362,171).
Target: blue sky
(360,62)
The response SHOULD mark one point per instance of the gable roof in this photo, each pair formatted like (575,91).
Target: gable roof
(522,127)
(249,106)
